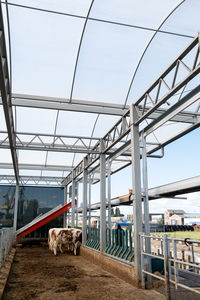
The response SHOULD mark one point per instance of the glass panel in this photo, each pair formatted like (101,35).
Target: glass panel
(34,201)
(7,201)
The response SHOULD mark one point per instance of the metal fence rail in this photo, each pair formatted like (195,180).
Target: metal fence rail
(175,267)
(118,242)
(6,242)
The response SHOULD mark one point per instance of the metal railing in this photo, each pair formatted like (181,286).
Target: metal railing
(171,262)
(118,242)
(6,242)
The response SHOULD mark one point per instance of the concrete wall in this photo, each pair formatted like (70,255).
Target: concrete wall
(122,270)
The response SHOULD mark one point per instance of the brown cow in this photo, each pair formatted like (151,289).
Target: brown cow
(58,237)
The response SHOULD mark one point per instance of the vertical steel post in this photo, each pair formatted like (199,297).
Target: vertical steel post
(84,224)
(73,201)
(136,183)
(102,199)
(146,205)
(16,208)
(175,264)
(77,184)
(142,260)
(89,200)
(65,202)
(109,195)
(166,268)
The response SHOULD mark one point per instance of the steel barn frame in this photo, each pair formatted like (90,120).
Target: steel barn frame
(125,141)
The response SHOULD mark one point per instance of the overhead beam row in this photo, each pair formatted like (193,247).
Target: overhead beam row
(5,89)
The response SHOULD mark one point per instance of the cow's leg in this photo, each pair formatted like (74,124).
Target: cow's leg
(75,247)
(55,245)
(60,247)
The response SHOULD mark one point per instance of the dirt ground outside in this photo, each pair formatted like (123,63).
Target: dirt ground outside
(37,274)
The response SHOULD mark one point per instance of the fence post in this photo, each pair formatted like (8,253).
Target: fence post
(142,260)
(175,263)
(166,267)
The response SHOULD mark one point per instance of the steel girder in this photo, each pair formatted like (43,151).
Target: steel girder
(185,186)
(32,180)
(6,96)
(33,101)
(38,167)
(120,132)
(170,81)
(56,143)
(21,100)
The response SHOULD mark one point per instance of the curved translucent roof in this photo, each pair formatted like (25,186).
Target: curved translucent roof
(96,57)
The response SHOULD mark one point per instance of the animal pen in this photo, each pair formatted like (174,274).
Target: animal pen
(173,98)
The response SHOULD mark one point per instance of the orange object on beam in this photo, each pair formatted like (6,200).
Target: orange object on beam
(42,221)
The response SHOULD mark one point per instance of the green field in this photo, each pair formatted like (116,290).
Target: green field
(194,235)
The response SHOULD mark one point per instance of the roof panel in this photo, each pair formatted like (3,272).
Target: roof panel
(34,120)
(106,63)
(5,156)
(178,22)
(141,13)
(31,157)
(79,7)
(43,51)
(63,159)
(2,119)
(75,123)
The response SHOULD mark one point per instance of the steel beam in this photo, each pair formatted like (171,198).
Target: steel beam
(37,167)
(146,205)
(109,194)
(136,183)
(32,180)
(102,200)
(73,202)
(182,104)
(175,137)
(16,208)
(65,202)
(89,201)
(77,203)
(65,104)
(59,143)
(88,107)
(6,96)
(85,181)
(154,96)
